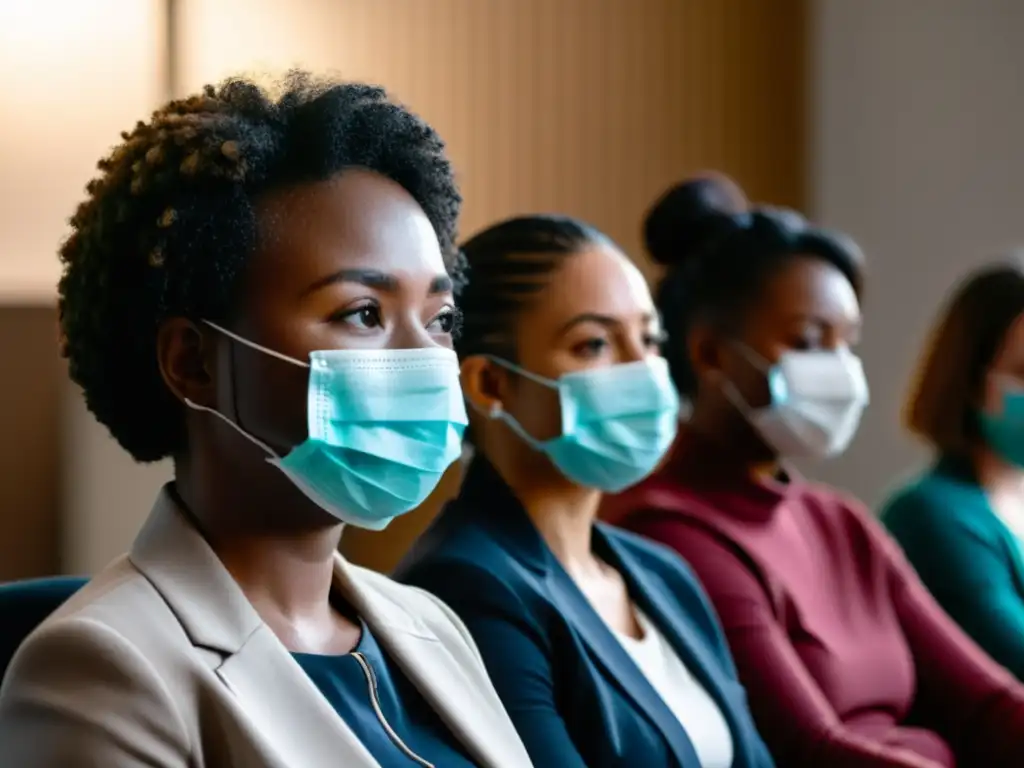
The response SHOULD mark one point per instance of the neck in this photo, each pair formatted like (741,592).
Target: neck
(562,512)
(994,473)
(565,521)
(564,517)
(288,576)
(284,572)
(744,448)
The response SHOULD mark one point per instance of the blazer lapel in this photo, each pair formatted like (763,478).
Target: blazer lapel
(670,617)
(285,711)
(483,488)
(617,663)
(440,678)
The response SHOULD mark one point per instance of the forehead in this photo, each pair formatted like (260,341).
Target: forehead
(810,286)
(598,279)
(357,219)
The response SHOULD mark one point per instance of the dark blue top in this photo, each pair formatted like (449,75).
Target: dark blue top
(343,683)
(573,692)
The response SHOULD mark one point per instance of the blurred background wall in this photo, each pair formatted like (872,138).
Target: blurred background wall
(893,120)
(916,118)
(72,76)
(588,107)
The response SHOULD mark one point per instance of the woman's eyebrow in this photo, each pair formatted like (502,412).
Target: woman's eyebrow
(588,317)
(371,278)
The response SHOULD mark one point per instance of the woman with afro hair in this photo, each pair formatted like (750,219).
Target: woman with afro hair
(259,285)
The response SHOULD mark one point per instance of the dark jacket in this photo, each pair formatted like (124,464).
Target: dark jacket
(573,692)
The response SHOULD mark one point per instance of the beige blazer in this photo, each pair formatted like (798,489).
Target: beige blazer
(160,661)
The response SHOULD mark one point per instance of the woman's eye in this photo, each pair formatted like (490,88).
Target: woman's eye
(366,317)
(592,347)
(655,340)
(446,322)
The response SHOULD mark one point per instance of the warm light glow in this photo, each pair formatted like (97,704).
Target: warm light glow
(35,27)
(258,37)
(73,74)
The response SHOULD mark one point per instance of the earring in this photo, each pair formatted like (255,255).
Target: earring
(495,411)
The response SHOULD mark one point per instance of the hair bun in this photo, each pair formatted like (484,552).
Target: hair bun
(689,215)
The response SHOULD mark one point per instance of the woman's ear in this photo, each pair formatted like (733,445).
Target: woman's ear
(703,345)
(186,361)
(483,385)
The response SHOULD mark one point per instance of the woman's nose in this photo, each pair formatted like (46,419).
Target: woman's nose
(633,349)
(410,334)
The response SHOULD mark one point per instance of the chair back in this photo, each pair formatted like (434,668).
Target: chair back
(24,605)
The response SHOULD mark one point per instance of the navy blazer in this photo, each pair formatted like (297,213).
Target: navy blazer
(573,692)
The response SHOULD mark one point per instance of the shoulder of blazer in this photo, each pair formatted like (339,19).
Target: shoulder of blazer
(498,539)
(123,599)
(483,574)
(469,567)
(117,641)
(73,664)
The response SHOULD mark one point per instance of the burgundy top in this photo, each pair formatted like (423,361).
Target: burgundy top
(837,642)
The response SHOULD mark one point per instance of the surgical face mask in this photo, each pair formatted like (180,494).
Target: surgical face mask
(817,398)
(383,427)
(1003,432)
(617,422)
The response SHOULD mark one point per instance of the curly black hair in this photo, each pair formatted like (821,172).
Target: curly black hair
(170,223)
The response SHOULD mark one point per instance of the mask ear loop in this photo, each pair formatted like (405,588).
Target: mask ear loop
(272,455)
(777,387)
(733,395)
(497,412)
(257,347)
(730,390)
(549,383)
(753,357)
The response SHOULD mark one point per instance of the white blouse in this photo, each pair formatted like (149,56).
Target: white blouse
(685,697)
(1010,512)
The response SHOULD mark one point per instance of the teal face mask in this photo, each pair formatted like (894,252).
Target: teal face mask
(383,427)
(617,422)
(1004,432)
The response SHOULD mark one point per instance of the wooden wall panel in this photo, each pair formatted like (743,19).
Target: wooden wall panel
(73,74)
(30,410)
(587,107)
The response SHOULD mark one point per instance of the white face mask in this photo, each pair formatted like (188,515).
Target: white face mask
(817,399)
